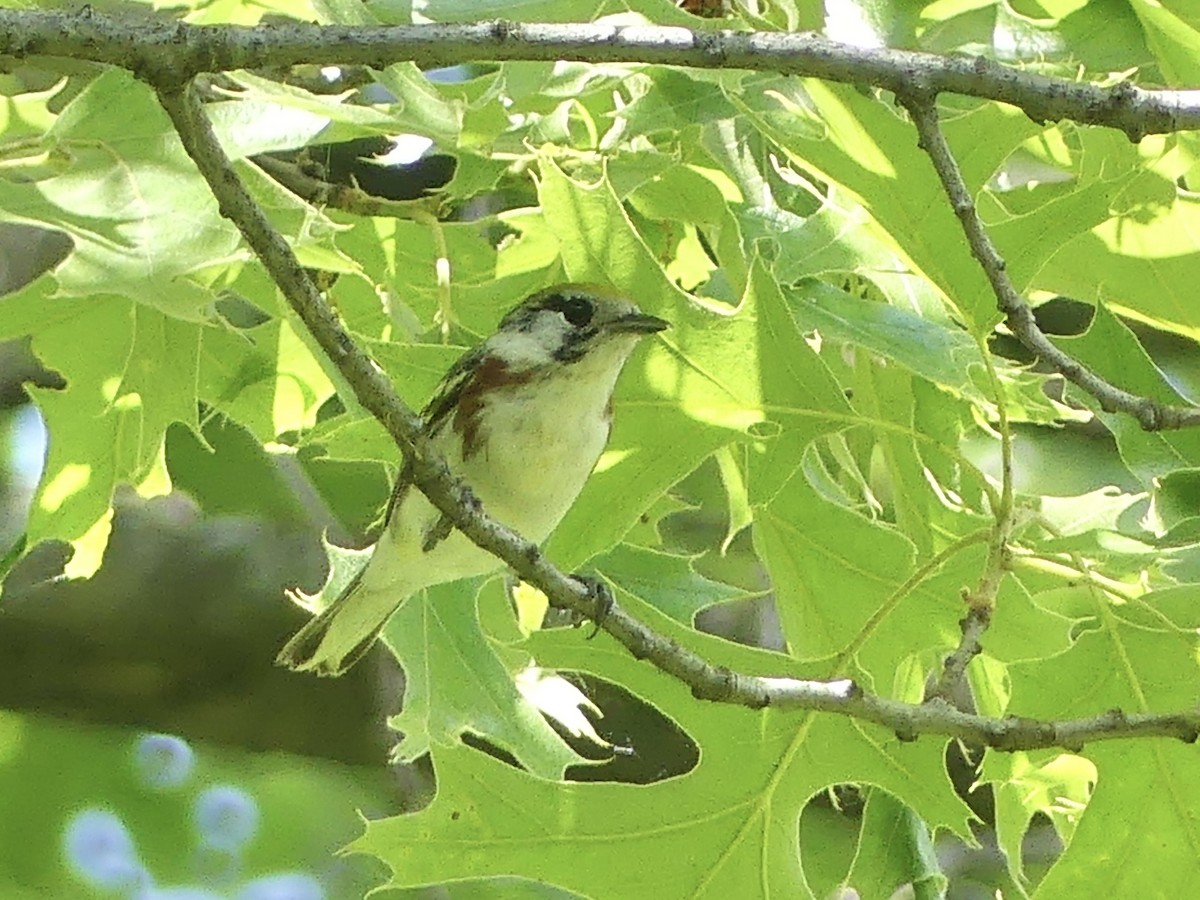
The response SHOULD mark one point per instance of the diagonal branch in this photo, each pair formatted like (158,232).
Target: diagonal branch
(1151,414)
(173,52)
(708,682)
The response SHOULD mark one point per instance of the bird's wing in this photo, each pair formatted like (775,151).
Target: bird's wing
(435,415)
(455,381)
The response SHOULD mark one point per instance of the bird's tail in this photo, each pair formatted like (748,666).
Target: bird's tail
(340,635)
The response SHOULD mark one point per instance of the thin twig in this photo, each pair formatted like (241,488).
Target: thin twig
(173,52)
(980,602)
(954,667)
(1052,563)
(708,682)
(349,199)
(1150,414)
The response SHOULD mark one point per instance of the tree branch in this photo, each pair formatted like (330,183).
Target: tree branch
(173,52)
(1150,414)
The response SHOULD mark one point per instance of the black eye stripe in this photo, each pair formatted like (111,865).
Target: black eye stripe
(576,309)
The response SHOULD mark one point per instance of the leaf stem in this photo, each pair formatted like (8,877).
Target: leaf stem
(846,657)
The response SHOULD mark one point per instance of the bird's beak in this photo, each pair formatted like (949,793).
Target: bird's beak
(638,323)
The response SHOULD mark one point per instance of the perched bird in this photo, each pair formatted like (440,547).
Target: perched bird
(521,419)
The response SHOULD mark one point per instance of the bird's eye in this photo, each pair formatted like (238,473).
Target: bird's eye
(578,311)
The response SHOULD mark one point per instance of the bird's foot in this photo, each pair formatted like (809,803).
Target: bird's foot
(443,526)
(602,599)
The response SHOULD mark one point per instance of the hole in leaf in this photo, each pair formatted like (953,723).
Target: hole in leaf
(648,746)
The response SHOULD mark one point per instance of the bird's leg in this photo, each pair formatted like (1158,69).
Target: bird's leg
(602,599)
(443,526)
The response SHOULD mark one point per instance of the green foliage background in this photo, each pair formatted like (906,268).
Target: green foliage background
(831,351)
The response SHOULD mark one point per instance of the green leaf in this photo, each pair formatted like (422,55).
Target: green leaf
(266,116)
(419,107)
(1174,40)
(456,684)
(355,492)
(264,377)
(107,426)
(828,839)
(804,399)
(679,101)
(1142,658)
(841,239)
(122,205)
(728,823)
(663,580)
(825,594)
(1112,350)
(345,564)
(937,351)
(1054,784)
(26,115)
(895,848)
(232,475)
(864,146)
(142,219)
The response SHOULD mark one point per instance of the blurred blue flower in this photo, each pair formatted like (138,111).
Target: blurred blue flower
(449,74)
(163,761)
(283,886)
(226,817)
(180,892)
(100,851)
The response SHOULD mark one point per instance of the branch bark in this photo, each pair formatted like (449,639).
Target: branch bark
(173,52)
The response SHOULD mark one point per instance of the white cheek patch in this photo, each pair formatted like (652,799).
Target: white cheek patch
(534,347)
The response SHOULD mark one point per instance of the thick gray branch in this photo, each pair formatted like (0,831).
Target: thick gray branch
(173,52)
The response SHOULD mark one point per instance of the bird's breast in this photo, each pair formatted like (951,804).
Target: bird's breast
(533,444)
(535,456)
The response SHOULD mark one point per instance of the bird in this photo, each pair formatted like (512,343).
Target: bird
(521,419)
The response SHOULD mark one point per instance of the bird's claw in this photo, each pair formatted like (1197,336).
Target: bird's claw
(602,598)
(443,526)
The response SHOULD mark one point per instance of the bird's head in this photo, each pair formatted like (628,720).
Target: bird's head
(569,324)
